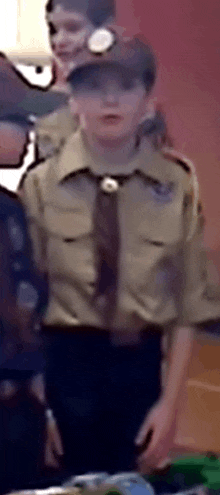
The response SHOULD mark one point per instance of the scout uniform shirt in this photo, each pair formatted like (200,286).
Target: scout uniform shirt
(53,130)
(162,268)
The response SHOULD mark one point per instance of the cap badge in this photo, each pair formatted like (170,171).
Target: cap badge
(101,41)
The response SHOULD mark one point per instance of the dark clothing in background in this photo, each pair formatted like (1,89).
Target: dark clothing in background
(22,419)
(20,283)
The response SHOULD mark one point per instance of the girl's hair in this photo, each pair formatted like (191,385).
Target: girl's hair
(97,11)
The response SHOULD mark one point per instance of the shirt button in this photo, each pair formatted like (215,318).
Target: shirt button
(109,185)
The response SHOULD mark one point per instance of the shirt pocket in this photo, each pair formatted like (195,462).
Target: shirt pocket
(69,243)
(67,225)
(161,224)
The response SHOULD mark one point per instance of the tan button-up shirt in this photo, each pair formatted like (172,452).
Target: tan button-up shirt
(53,130)
(162,269)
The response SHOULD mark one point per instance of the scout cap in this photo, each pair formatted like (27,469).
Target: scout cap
(98,11)
(106,47)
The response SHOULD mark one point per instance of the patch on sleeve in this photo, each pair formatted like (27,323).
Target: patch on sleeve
(163,193)
(27,295)
(188,166)
(16,234)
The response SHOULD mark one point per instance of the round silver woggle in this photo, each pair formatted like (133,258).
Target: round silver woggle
(101,41)
(109,185)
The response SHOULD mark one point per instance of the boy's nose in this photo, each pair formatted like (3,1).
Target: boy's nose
(60,39)
(110,98)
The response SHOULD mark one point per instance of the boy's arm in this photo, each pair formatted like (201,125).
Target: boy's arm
(162,418)
(197,301)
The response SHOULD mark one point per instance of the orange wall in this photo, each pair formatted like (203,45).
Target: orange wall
(186,37)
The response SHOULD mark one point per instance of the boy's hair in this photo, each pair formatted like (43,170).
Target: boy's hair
(97,11)
(156,129)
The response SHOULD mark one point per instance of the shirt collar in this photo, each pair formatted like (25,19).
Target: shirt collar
(76,157)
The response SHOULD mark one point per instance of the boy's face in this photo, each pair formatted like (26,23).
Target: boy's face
(110,102)
(68,32)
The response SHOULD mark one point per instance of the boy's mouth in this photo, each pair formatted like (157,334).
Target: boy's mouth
(111,119)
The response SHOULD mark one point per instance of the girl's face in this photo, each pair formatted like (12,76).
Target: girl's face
(110,102)
(68,32)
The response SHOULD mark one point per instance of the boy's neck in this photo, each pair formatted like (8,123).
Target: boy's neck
(115,151)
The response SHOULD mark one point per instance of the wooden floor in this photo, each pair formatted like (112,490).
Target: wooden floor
(199,418)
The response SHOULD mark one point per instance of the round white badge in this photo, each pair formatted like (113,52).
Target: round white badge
(101,41)
(109,185)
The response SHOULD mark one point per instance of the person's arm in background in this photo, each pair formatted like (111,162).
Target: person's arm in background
(23,291)
(29,194)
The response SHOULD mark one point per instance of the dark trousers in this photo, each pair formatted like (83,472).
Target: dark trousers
(100,395)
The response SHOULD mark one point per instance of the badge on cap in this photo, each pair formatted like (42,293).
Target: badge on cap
(101,41)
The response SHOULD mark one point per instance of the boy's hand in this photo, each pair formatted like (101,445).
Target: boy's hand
(161,422)
(53,447)
(53,444)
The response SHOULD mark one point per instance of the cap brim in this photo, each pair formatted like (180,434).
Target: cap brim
(107,64)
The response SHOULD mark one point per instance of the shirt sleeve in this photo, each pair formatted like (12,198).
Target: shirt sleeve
(199,301)
(30,196)
(15,364)
(28,286)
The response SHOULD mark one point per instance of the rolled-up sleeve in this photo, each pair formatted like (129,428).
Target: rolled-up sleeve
(199,300)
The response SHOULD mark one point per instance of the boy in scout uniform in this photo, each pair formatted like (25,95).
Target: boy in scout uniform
(116,225)
(70,23)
